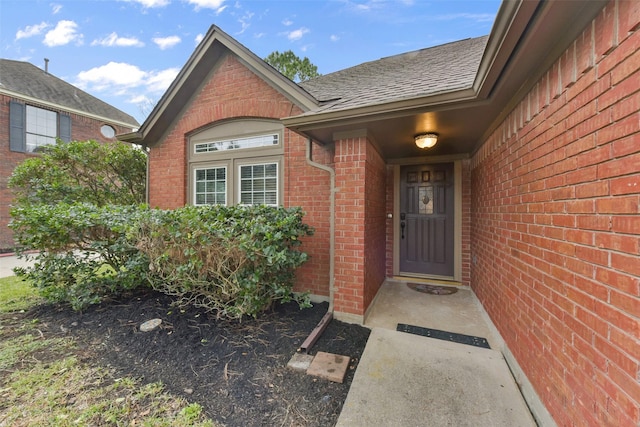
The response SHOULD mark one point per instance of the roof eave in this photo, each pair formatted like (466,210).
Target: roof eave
(65,108)
(441,101)
(516,24)
(179,91)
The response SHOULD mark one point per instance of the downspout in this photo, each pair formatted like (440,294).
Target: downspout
(332,222)
(147,151)
(326,319)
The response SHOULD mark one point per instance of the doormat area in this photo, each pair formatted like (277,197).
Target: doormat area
(444,335)
(432,289)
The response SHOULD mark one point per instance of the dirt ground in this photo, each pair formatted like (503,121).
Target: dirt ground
(236,371)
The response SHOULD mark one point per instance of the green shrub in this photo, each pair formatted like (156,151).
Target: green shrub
(233,261)
(83,252)
(81,171)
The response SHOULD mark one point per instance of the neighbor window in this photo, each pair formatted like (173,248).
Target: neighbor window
(32,127)
(210,186)
(107,131)
(42,128)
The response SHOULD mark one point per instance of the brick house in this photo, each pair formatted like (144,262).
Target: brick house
(35,109)
(531,195)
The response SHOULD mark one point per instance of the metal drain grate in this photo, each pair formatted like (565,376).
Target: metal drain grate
(444,335)
(432,289)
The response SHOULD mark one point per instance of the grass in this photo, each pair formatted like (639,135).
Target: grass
(16,294)
(42,382)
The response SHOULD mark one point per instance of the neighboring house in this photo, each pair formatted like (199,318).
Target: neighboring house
(531,195)
(35,109)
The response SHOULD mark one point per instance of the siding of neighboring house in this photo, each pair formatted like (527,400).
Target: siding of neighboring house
(555,220)
(82,129)
(233,91)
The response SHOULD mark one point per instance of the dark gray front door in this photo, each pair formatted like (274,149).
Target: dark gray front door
(426,219)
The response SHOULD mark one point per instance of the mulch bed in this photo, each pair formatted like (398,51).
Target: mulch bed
(235,370)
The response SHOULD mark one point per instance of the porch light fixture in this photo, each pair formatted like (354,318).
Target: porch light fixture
(426,140)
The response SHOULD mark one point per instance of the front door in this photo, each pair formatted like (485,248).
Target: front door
(427,219)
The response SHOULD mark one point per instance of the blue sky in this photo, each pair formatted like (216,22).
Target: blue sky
(127,52)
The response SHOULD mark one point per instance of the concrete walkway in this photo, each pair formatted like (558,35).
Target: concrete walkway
(411,380)
(8,263)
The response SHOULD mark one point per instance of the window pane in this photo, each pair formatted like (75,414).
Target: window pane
(271,170)
(255,187)
(271,198)
(245,199)
(271,184)
(237,143)
(210,186)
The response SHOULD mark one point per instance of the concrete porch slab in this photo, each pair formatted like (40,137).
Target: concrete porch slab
(410,380)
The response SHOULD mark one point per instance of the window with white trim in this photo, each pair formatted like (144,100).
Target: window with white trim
(259,184)
(210,186)
(237,162)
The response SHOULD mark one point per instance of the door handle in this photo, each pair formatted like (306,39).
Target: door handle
(403,216)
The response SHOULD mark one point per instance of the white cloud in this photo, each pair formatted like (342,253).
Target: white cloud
(159,81)
(216,5)
(117,74)
(199,38)
(140,99)
(297,34)
(120,78)
(31,30)
(113,40)
(287,22)
(64,33)
(334,38)
(55,8)
(245,22)
(151,3)
(166,42)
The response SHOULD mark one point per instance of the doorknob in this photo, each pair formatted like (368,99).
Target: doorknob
(403,216)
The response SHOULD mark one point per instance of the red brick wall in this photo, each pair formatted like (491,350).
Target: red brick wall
(309,188)
(556,226)
(375,223)
(360,225)
(465,255)
(234,91)
(82,129)
(350,164)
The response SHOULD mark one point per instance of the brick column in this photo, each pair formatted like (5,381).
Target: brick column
(359,226)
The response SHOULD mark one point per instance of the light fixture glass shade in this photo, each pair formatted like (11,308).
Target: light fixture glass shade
(426,140)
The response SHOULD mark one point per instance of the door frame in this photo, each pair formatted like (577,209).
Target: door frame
(457,218)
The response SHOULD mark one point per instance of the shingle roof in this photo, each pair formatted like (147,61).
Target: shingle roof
(27,79)
(424,72)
